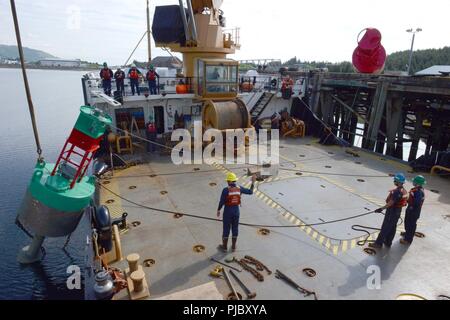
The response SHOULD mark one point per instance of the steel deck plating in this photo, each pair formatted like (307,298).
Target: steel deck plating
(320,193)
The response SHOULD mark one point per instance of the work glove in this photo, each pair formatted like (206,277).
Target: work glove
(380,210)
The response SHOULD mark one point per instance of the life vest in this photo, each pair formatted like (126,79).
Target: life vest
(134,74)
(234,197)
(151,76)
(403,201)
(106,74)
(119,76)
(151,128)
(412,193)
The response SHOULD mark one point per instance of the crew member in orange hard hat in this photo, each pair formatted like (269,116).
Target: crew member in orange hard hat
(231,200)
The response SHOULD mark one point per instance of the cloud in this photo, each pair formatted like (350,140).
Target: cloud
(310,30)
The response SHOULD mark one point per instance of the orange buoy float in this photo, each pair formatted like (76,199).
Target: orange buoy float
(247,87)
(182,89)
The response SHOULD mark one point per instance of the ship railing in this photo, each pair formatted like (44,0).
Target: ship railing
(271,83)
(166,85)
(232,37)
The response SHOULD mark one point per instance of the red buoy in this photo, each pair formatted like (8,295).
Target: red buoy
(370,55)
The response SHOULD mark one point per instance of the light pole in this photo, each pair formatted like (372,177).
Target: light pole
(412,46)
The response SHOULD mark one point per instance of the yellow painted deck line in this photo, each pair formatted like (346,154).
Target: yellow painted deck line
(344,247)
(321,239)
(335,250)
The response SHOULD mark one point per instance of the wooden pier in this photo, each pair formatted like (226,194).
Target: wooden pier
(393,109)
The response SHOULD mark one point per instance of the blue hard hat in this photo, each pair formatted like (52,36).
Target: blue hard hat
(400,177)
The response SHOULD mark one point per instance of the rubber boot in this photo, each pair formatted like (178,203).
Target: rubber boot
(233,247)
(405,242)
(224,245)
(375,245)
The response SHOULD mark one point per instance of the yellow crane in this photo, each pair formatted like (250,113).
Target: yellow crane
(198,33)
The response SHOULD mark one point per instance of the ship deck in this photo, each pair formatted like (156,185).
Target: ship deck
(333,185)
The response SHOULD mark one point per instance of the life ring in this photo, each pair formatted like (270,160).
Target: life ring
(274,82)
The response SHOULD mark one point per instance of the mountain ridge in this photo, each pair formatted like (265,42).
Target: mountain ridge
(31,55)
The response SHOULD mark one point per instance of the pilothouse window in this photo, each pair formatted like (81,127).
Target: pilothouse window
(221,79)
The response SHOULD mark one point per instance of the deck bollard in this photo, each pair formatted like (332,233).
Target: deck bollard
(133,262)
(138,280)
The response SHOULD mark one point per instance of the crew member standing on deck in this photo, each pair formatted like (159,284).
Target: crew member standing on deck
(396,200)
(106,75)
(415,202)
(119,75)
(151,78)
(134,75)
(231,199)
(151,132)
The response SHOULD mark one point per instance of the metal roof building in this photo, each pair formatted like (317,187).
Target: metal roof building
(167,62)
(434,71)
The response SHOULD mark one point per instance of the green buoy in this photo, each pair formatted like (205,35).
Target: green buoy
(59,193)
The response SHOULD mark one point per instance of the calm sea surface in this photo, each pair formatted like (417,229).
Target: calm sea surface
(57,96)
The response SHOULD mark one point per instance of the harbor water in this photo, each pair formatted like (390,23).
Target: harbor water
(57,96)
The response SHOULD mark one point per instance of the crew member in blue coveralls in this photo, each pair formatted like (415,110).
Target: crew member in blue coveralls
(415,202)
(231,199)
(396,200)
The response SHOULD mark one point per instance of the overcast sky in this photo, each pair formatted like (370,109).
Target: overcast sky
(103,30)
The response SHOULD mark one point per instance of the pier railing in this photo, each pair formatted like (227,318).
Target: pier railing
(388,112)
